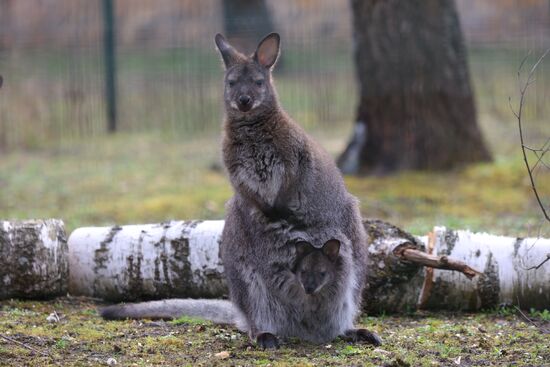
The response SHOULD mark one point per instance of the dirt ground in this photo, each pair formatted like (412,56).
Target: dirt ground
(69,332)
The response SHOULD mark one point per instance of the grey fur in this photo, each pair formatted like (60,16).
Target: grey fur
(287,189)
(218,311)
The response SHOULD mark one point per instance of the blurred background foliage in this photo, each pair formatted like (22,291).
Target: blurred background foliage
(57,160)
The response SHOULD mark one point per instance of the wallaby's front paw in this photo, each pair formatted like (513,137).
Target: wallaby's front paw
(363,335)
(296,291)
(267,341)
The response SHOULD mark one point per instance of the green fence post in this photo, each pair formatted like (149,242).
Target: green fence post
(109,45)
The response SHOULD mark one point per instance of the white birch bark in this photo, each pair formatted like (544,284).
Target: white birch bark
(33,259)
(180,259)
(173,259)
(508,267)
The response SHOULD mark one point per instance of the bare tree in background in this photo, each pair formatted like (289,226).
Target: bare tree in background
(246,22)
(544,149)
(416,108)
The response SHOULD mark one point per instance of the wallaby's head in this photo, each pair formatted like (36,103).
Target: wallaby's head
(248,87)
(316,267)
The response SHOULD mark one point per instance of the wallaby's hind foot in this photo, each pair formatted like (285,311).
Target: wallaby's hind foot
(267,341)
(363,335)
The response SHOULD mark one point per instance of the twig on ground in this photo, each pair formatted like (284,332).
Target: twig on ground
(23,345)
(543,330)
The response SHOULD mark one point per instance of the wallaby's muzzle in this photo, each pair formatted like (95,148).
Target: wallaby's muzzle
(244,103)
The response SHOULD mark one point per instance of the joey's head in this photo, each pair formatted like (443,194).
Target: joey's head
(248,87)
(317,267)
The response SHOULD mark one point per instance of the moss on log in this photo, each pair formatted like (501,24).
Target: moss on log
(33,259)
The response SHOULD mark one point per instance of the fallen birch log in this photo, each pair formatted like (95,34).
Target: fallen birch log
(33,259)
(180,259)
(173,259)
(478,271)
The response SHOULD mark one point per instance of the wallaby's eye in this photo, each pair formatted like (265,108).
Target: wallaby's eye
(323,273)
(259,83)
(231,83)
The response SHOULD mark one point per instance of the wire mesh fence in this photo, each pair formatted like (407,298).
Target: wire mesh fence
(168,73)
(168,80)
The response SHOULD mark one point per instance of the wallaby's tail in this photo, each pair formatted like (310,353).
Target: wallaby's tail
(217,311)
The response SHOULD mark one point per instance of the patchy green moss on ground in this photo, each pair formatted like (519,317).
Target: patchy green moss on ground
(81,337)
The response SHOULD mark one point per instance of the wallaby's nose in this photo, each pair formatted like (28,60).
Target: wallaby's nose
(309,288)
(244,99)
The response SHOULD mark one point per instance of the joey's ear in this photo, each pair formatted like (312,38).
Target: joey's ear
(268,50)
(331,249)
(228,52)
(303,248)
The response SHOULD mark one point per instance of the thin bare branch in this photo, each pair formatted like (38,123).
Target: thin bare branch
(518,115)
(539,159)
(541,149)
(524,61)
(534,68)
(511,107)
(541,264)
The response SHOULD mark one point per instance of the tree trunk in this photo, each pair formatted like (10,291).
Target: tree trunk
(180,259)
(246,22)
(6,31)
(6,26)
(33,259)
(416,108)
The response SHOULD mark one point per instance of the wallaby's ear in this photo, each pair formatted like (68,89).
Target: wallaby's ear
(331,249)
(228,52)
(268,50)
(303,248)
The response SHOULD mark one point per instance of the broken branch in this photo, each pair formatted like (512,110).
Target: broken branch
(434,261)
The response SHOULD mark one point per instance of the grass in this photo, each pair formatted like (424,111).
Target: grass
(143,178)
(417,339)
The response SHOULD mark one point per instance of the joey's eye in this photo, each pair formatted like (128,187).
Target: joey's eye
(231,83)
(259,83)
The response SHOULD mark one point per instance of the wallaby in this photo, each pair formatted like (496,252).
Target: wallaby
(319,272)
(317,269)
(288,191)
